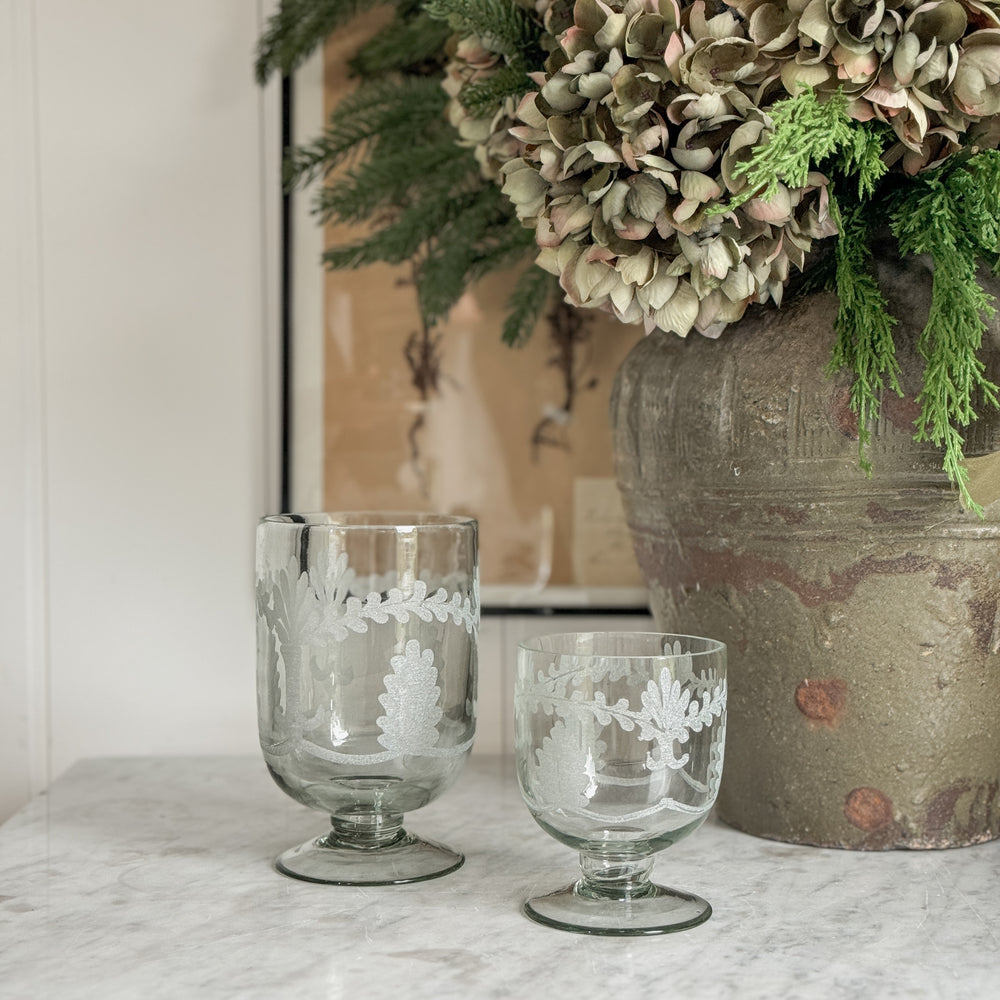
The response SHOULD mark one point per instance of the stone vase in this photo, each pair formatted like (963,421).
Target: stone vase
(862,614)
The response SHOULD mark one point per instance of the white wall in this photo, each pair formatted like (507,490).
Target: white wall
(138,352)
(139,200)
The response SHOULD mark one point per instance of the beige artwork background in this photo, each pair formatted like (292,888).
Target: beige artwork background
(549,514)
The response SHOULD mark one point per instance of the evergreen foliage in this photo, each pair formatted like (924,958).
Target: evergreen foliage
(951,213)
(805,133)
(864,343)
(395,112)
(502,25)
(388,158)
(483,98)
(298,28)
(426,38)
(861,156)
(533,291)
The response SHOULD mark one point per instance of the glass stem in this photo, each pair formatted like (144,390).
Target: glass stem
(615,877)
(365,830)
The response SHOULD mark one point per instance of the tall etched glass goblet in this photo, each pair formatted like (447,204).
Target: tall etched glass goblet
(619,739)
(366,681)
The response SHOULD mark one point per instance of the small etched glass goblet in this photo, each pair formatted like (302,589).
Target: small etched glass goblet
(619,739)
(366,681)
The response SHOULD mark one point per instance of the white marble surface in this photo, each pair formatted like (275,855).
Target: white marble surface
(148,878)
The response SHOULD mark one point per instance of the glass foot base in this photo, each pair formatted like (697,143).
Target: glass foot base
(657,911)
(407,859)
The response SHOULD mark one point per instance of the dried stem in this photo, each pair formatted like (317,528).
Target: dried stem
(569,332)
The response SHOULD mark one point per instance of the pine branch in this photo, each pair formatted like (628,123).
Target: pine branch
(506,243)
(392,50)
(479,239)
(406,176)
(527,304)
(401,107)
(298,28)
(405,235)
(391,179)
(864,326)
(502,25)
(946,213)
(484,97)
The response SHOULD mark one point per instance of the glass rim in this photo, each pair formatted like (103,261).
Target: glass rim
(369,520)
(534,644)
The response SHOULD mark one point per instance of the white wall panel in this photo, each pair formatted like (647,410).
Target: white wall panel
(150,235)
(139,201)
(23,654)
(151,171)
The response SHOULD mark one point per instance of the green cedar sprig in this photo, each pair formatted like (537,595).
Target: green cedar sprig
(864,327)
(861,157)
(805,132)
(950,213)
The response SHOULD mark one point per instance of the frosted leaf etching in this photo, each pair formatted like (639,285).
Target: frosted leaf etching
(354,614)
(409,725)
(287,606)
(671,708)
(565,769)
(287,602)
(318,607)
(304,616)
(669,715)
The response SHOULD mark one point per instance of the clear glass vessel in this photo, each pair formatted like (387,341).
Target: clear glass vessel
(367,625)
(619,739)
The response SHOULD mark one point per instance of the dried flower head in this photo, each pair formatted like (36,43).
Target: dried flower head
(627,159)
(928,68)
(630,149)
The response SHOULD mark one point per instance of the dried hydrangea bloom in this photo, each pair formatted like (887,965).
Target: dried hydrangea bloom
(928,68)
(472,60)
(976,84)
(631,149)
(626,159)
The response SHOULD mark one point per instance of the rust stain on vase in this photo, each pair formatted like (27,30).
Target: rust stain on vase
(945,824)
(984,617)
(878,514)
(868,809)
(822,701)
(901,412)
(844,417)
(789,515)
(747,571)
(941,811)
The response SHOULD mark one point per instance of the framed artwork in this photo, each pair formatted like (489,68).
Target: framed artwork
(387,414)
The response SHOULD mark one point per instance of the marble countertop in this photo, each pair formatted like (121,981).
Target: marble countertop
(152,877)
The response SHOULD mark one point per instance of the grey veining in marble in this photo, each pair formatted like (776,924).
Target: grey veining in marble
(148,878)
